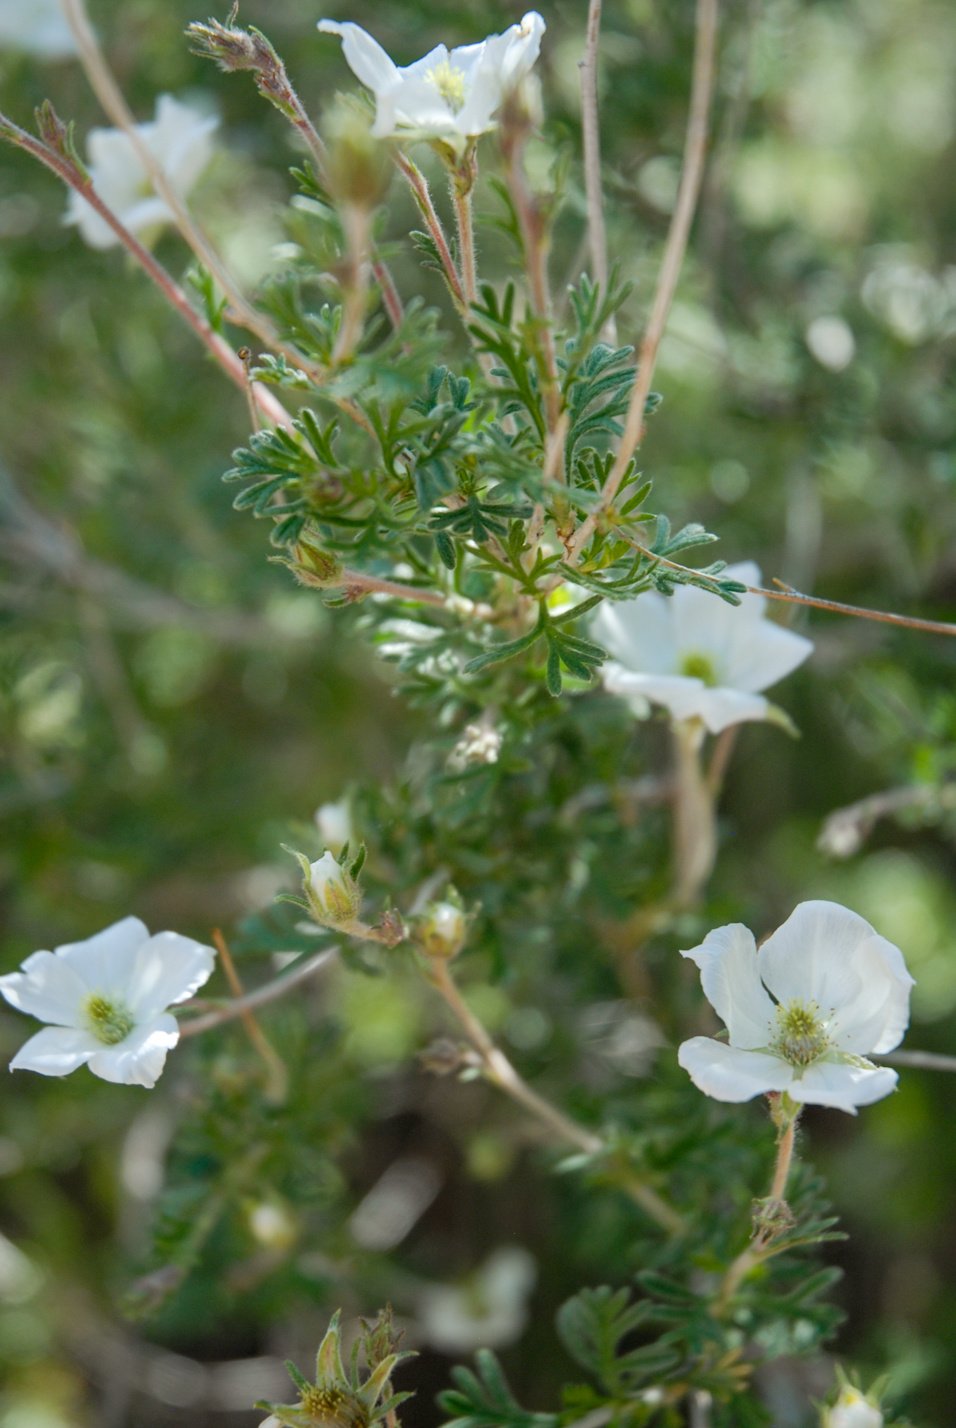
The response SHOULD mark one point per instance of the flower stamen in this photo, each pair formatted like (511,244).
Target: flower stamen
(699,666)
(450,83)
(110,1022)
(801,1037)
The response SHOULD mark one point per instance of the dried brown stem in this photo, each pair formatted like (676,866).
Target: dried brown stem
(503,1074)
(271,408)
(695,148)
(591,136)
(278,1076)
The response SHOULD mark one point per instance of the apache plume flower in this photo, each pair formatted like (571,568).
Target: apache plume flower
(106,1000)
(451,95)
(696,655)
(803,1013)
(179,137)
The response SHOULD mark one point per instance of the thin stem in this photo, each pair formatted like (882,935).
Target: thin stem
(271,408)
(111,98)
(269,992)
(694,822)
(762,1241)
(355,221)
(356,583)
(278,1076)
(503,1074)
(695,147)
(921,1060)
(534,237)
(909,622)
(418,184)
(790,596)
(464,219)
(591,137)
(390,294)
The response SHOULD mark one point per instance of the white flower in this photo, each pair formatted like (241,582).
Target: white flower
(334,822)
(38,27)
(488,1310)
(106,1000)
(179,137)
(696,655)
(448,95)
(823,991)
(852,1410)
(332,892)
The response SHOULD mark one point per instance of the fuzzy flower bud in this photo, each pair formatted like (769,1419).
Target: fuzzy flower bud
(441,932)
(312,565)
(333,894)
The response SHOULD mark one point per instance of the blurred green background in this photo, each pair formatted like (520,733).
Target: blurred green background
(171,703)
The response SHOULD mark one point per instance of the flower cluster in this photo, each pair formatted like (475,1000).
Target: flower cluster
(106,1000)
(803,1012)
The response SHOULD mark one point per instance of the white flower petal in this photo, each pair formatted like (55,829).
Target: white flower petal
(729,975)
(842,1085)
(830,955)
(38,28)
(48,988)
(56,1051)
(639,633)
(363,55)
(681,694)
(167,969)
(729,1073)
(761,654)
(654,638)
(138,1060)
(720,708)
(103,961)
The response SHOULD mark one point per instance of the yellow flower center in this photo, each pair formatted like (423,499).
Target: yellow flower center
(801,1035)
(450,83)
(699,666)
(110,1022)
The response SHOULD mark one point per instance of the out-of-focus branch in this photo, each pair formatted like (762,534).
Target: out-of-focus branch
(591,136)
(695,148)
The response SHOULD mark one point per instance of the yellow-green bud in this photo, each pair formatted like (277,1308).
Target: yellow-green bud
(442,930)
(333,894)
(313,565)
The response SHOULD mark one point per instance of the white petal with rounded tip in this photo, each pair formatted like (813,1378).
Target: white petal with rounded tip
(103,961)
(727,959)
(363,55)
(166,969)
(831,955)
(138,1060)
(729,1073)
(56,1051)
(842,1085)
(48,988)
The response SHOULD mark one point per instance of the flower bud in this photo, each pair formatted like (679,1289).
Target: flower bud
(312,565)
(358,167)
(441,932)
(333,894)
(852,1410)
